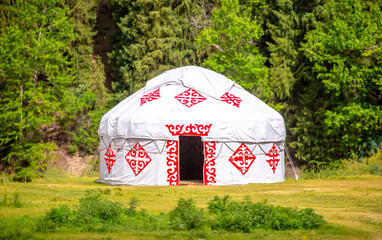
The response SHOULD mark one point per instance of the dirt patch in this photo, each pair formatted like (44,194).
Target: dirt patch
(74,164)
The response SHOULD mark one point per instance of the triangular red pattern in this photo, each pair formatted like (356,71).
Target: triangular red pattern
(150,96)
(242,159)
(190,98)
(109,155)
(274,160)
(231,99)
(137,158)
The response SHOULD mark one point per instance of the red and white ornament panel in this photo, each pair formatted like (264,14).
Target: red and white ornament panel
(243,163)
(138,162)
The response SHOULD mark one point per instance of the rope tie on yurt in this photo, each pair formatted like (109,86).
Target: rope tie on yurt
(94,161)
(253,149)
(106,146)
(160,151)
(263,150)
(291,162)
(118,149)
(221,147)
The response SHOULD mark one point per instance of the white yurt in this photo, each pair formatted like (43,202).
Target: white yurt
(191,124)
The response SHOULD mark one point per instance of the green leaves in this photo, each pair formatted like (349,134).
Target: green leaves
(154,36)
(35,74)
(232,39)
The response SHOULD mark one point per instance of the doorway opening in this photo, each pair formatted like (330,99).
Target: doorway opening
(191,158)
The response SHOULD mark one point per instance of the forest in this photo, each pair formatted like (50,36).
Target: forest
(65,63)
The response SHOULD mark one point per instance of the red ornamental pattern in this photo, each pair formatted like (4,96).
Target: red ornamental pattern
(137,158)
(242,159)
(231,99)
(191,129)
(109,155)
(209,163)
(150,96)
(172,148)
(190,98)
(274,158)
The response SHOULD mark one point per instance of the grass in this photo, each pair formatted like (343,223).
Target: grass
(351,206)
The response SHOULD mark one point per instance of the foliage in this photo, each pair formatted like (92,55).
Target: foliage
(367,166)
(31,95)
(154,36)
(231,38)
(18,228)
(98,214)
(88,96)
(185,216)
(58,94)
(245,216)
(14,202)
(345,56)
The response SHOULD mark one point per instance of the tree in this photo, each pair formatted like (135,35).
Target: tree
(232,38)
(345,52)
(34,73)
(154,36)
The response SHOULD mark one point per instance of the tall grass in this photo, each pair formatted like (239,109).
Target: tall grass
(352,167)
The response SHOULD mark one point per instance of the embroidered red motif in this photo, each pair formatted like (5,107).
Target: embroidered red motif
(172,148)
(190,97)
(242,159)
(137,158)
(209,163)
(150,96)
(231,99)
(191,129)
(274,160)
(108,159)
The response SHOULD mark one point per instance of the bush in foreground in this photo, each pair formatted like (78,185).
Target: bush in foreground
(96,213)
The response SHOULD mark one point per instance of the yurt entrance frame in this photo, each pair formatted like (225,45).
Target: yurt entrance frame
(191,158)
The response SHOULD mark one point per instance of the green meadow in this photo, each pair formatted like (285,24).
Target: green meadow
(351,207)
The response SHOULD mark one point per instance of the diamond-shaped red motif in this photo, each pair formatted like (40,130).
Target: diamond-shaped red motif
(109,155)
(242,159)
(274,160)
(137,158)
(190,97)
(231,99)
(150,96)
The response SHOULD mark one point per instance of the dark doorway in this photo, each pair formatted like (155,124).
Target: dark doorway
(191,158)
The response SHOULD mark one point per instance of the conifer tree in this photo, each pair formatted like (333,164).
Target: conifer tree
(88,96)
(154,36)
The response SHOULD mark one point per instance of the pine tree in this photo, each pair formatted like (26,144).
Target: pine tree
(87,97)
(155,36)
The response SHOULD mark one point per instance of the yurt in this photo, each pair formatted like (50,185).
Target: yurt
(191,124)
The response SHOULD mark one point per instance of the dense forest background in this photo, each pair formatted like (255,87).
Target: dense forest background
(64,63)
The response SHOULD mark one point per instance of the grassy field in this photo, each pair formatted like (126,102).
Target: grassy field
(352,206)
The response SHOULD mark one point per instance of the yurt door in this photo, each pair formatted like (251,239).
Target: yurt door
(191,158)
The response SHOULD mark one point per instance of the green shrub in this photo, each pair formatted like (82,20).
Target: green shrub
(14,202)
(245,216)
(186,216)
(93,208)
(62,215)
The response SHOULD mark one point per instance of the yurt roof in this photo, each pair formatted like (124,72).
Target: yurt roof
(193,101)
